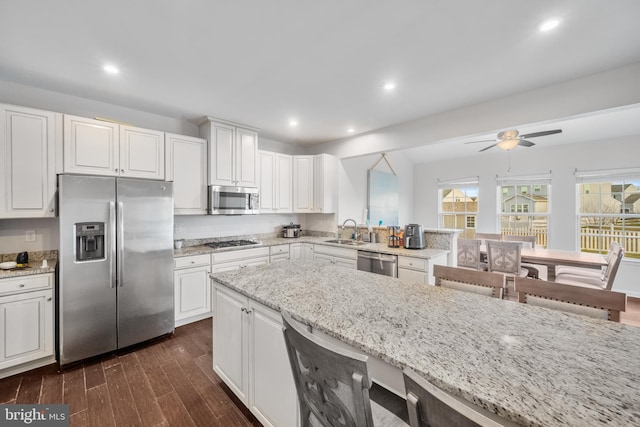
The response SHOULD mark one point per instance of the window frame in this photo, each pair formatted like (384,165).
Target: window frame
(459,184)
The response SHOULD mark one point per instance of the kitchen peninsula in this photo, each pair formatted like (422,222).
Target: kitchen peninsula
(530,365)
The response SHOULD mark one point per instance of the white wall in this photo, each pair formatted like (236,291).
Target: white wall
(12,234)
(561,161)
(206,226)
(352,194)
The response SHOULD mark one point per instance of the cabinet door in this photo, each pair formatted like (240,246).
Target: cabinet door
(230,344)
(221,150)
(322,258)
(295,251)
(186,166)
(26,327)
(28,143)
(284,183)
(253,262)
(303,184)
(266,176)
(273,391)
(246,157)
(91,146)
(412,275)
(308,251)
(141,153)
(192,293)
(325,186)
(346,263)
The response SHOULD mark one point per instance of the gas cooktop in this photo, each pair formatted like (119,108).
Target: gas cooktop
(231,243)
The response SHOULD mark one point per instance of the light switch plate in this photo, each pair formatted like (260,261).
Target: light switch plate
(30,236)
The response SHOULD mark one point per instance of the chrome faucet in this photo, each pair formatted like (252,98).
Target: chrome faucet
(356,235)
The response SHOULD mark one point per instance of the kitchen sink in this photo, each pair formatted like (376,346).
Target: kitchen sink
(348,242)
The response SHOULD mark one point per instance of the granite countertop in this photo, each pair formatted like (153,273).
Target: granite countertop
(34,267)
(532,365)
(374,247)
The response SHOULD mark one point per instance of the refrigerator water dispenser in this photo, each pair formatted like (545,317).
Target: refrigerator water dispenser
(89,241)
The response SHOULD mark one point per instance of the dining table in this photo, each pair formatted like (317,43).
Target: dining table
(554,257)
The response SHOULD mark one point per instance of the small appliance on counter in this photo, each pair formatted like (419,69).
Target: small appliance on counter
(291,230)
(22,258)
(413,236)
(395,236)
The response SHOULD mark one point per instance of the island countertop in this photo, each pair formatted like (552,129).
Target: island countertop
(532,365)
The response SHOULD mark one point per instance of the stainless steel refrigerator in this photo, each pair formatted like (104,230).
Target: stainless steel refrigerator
(115,285)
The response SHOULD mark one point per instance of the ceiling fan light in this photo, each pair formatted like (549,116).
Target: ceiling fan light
(508,144)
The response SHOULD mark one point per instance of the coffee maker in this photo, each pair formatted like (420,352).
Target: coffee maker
(413,236)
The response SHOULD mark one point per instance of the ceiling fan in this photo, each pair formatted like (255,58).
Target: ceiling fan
(510,139)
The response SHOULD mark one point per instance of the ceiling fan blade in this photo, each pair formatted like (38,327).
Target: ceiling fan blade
(486,148)
(543,133)
(525,143)
(484,140)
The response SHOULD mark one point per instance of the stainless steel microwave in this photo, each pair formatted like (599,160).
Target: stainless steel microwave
(227,200)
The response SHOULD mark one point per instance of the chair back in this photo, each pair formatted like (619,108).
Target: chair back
(615,258)
(430,406)
(469,254)
(488,236)
(477,282)
(332,383)
(597,303)
(504,257)
(527,241)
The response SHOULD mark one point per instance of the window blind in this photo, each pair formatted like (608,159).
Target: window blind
(607,175)
(539,178)
(459,182)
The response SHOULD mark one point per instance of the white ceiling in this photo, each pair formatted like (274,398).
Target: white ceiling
(323,63)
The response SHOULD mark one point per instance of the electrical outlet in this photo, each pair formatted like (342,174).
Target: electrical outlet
(30,236)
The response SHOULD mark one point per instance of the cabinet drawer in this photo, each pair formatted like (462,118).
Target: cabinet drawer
(280,249)
(191,261)
(26,283)
(412,263)
(240,254)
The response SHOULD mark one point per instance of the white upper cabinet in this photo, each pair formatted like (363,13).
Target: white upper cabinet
(315,184)
(187,167)
(97,147)
(303,184)
(141,153)
(233,153)
(325,183)
(29,141)
(275,182)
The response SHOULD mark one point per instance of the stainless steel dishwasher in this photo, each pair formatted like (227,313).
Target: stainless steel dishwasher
(378,263)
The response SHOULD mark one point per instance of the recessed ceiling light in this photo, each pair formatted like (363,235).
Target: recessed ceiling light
(111,69)
(549,24)
(389,86)
(293,123)
(351,130)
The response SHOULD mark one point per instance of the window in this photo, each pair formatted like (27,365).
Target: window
(458,205)
(609,210)
(524,206)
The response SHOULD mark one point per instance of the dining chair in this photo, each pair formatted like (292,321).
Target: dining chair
(469,254)
(504,257)
(589,272)
(430,406)
(477,282)
(603,281)
(488,236)
(597,303)
(333,383)
(528,242)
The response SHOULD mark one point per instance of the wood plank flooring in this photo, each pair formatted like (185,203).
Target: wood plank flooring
(169,382)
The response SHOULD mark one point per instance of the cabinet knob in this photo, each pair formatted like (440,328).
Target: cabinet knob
(51,210)
(49,299)
(21,285)
(121,170)
(115,170)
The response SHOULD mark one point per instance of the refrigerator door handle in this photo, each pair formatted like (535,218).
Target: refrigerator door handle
(112,245)
(120,255)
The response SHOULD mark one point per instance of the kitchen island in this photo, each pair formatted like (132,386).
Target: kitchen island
(531,365)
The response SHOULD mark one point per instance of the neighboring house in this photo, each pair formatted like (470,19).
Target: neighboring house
(455,200)
(524,203)
(600,198)
(629,197)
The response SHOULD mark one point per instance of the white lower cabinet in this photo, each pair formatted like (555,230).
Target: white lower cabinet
(342,257)
(26,323)
(250,356)
(419,269)
(234,260)
(302,251)
(279,253)
(192,289)
(307,251)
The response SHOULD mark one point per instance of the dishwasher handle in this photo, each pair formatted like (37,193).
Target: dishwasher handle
(377,256)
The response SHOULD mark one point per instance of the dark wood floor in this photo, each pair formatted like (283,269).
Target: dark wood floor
(167,383)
